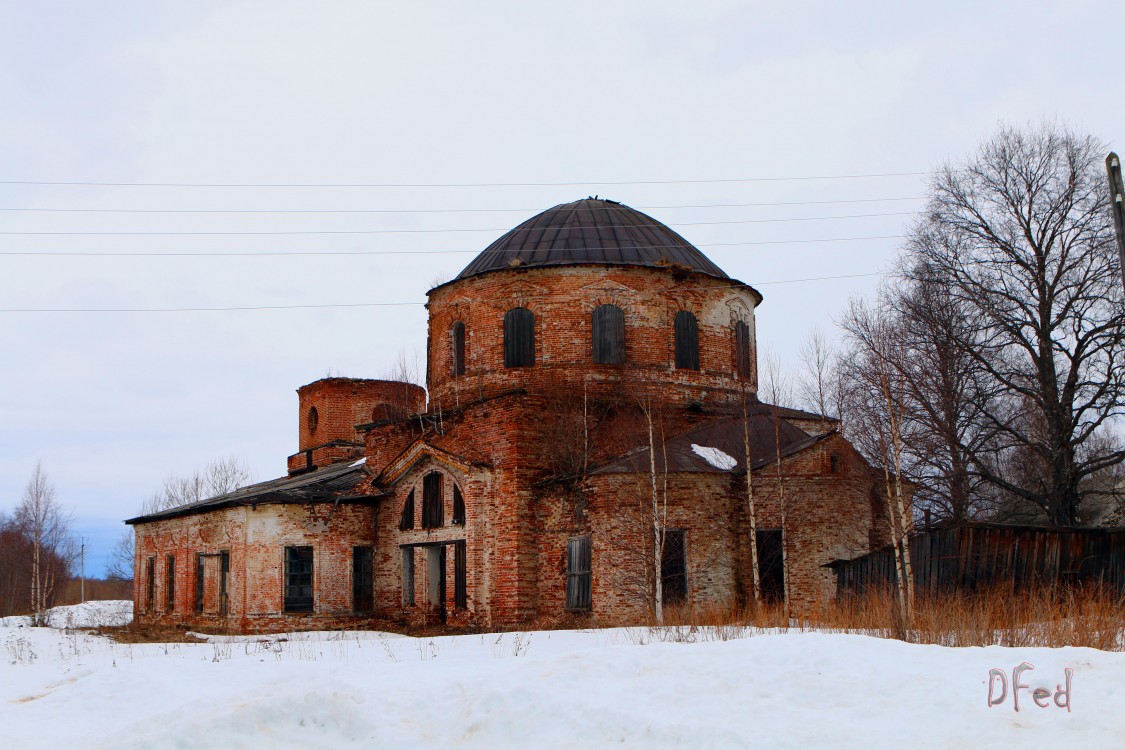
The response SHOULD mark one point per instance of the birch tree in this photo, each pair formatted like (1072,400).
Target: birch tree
(42,521)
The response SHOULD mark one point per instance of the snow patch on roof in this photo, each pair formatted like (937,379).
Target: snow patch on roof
(714,457)
(360,462)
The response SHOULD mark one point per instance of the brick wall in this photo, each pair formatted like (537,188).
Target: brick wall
(562,300)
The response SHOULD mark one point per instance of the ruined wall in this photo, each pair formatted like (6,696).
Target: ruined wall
(562,300)
(330,409)
(255,538)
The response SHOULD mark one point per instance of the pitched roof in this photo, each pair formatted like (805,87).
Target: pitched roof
(595,231)
(331,483)
(680,454)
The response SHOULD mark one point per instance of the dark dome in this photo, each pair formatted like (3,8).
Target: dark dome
(590,231)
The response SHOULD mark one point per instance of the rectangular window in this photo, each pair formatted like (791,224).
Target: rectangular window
(433,516)
(150,584)
(742,362)
(363,592)
(686,330)
(673,567)
(298,579)
(460,593)
(458,507)
(224,581)
(578,574)
(408,577)
(199,582)
(771,573)
(170,585)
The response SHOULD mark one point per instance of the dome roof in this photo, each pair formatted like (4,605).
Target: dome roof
(590,231)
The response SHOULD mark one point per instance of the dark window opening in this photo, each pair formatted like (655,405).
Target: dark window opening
(519,338)
(363,591)
(298,579)
(199,582)
(578,574)
(170,585)
(834,463)
(458,340)
(433,515)
(458,507)
(408,577)
(742,360)
(673,567)
(150,584)
(406,522)
(771,574)
(609,335)
(224,580)
(686,330)
(460,567)
(314,420)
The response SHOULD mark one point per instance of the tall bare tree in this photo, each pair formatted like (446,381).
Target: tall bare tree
(46,527)
(1021,238)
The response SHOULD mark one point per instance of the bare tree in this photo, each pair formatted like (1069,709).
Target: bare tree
(120,565)
(876,371)
(817,385)
(42,521)
(777,391)
(216,478)
(1021,238)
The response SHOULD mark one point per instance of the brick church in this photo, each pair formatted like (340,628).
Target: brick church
(591,406)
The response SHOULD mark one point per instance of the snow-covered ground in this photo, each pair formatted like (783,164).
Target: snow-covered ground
(559,689)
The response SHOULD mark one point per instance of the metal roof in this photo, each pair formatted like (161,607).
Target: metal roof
(594,230)
(331,483)
(727,435)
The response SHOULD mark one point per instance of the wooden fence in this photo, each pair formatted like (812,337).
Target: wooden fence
(973,555)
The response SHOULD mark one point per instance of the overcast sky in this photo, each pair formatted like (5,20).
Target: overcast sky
(418,118)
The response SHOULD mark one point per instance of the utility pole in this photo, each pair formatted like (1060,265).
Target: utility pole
(82,596)
(1117,204)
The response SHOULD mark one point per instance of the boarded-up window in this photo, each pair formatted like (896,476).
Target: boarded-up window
(771,575)
(298,579)
(150,584)
(578,589)
(199,572)
(363,592)
(433,516)
(458,507)
(687,341)
(742,364)
(406,521)
(609,335)
(519,338)
(170,584)
(673,567)
(408,577)
(460,589)
(224,582)
(457,334)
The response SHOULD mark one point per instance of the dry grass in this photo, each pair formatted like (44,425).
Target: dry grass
(136,633)
(1090,616)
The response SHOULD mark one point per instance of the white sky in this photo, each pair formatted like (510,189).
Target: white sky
(442,93)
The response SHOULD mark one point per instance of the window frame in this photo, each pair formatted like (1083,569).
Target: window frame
(363,579)
(685,340)
(457,348)
(678,592)
(433,500)
(579,574)
(607,334)
(519,338)
(743,357)
(170,583)
(295,600)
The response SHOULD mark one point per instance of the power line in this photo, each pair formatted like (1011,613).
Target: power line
(428,210)
(348,305)
(77,183)
(273,233)
(54,253)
